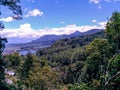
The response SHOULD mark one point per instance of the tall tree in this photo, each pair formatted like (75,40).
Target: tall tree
(98,54)
(112,78)
(16,9)
(27,65)
(113,30)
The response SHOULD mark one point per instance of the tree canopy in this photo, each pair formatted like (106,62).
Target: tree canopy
(90,62)
(113,30)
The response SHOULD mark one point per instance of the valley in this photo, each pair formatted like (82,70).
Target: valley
(44,41)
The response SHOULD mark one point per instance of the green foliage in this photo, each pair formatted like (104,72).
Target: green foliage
(84,63)
(13,60)
(66,44)
(68,56)
(115,65)
(113,30)
(113,36)
(98,53)
(82,86)
(93,65)
(113,77)
(26,66)
(95,85)
(99,45)
(44,79)
(37,74)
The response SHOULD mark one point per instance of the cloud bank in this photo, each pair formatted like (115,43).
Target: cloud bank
(26,31)
(26,34)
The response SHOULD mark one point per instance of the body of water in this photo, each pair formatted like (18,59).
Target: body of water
(25,52)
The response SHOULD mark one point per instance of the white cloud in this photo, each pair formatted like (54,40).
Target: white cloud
(25,27)
(94,21)
(102,24)
(34,12)
(94,1)
(27,33)
(25,30)
(8,19)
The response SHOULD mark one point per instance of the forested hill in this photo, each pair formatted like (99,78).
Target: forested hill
(50,39)
(89,62)
(70,43)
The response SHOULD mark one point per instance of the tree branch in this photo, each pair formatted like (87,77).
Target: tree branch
(114,76)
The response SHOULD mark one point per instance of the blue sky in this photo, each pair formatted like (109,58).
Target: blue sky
(41,17)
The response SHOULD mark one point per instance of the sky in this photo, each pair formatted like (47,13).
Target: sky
(42,17)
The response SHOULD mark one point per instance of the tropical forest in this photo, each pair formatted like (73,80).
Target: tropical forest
(86,62)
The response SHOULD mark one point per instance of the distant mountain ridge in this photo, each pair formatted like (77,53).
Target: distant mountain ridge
(49,39)
(46,40)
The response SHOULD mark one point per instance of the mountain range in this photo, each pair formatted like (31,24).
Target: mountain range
(47,40)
